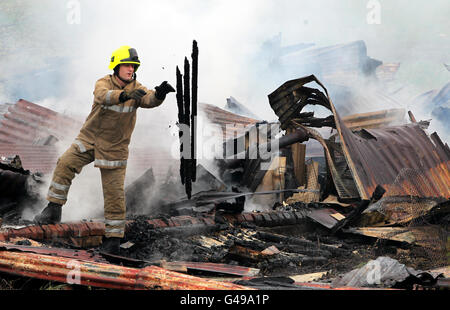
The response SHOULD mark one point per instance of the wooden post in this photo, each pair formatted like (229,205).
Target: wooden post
(298,157)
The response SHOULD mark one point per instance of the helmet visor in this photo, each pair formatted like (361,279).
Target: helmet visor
(133,56)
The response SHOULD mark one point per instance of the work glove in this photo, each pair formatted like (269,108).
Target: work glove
(163,89)
(135,94)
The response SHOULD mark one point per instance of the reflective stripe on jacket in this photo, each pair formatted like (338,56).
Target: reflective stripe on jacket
(108,128)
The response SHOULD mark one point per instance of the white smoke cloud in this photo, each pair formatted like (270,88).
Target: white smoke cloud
(230,34)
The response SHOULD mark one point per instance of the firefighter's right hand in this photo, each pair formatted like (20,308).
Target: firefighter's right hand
(136,94)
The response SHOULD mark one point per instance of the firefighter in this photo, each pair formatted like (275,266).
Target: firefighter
(104,140)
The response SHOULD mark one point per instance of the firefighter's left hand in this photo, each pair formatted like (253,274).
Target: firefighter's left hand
(135,94)
(163,89)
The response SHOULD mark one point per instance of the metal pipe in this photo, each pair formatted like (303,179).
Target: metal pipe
(299,135)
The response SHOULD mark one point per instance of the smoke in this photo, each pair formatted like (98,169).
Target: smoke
(53,51)
(230,35)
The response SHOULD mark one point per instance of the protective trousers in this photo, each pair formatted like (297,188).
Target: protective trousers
(70,164)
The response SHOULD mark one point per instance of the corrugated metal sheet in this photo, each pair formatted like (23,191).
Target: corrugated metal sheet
(226,124)
(348,59)
(43,158)
(24,126)
(34,158)
(387,71)
(375,119)
(403,159)
(352,96)
(28,123)
(235,106)
(72,271)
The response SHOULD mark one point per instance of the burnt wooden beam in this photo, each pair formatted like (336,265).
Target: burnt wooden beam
(194,87)
(355,214)
(187,121)
(180,105)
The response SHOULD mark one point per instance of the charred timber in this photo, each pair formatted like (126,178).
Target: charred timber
(187,122)
(194,87)
(300,135)
(187,114)
(180,120)
(355,214)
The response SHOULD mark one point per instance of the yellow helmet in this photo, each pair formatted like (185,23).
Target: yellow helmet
(124,55)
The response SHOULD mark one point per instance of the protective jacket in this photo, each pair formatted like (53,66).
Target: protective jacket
(108,128)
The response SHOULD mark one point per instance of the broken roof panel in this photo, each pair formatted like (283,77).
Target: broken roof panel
(229,125)
(27,123)
(235,106)
(375,119)
(95,274)
(387,71)
(348,58)
(34,157)
(220,116)
(403,159)
(28,130)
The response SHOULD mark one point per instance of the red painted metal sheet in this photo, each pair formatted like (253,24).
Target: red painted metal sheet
(83,255)
(43,158)
(46,113)
(34,158)
(39,125)
(95,274)
(27,121)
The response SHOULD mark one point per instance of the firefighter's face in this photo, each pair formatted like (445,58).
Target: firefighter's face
(126,71)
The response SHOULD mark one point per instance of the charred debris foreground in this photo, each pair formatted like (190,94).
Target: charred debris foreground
(379,196)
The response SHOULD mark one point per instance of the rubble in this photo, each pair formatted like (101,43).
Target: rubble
(269,214)
(386,272)
(19,187)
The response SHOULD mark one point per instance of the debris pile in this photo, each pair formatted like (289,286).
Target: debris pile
(351,201)
(19,188)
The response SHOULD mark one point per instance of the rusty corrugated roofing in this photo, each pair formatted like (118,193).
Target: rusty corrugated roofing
(34,158)
(403,159)
(24,124)
(43,158)
(228,124)
(96,274)
(27,123)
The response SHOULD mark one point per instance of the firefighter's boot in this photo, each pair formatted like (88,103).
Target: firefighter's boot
(50,215)
(110,245)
